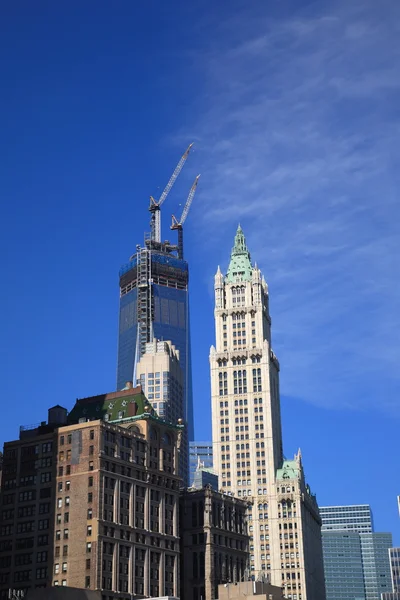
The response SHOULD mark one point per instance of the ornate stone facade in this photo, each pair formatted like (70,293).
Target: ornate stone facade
(285,527)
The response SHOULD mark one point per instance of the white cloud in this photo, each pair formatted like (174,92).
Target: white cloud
(298,139)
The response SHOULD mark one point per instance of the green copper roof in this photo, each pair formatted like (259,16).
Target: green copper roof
(117,405)
(240,263)
(289,470)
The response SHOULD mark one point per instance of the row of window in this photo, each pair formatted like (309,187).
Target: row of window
(26,575)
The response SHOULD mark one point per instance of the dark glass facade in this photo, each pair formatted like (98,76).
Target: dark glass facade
(169,318)
(202,451)
(127,338)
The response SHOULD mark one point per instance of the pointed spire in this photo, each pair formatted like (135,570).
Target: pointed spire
(240,241)
(240,268)
(219,278)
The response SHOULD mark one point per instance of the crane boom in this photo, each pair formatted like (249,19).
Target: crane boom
(189,200)
(174,175)
(179,224)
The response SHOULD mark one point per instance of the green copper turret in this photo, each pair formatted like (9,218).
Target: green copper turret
(240,268)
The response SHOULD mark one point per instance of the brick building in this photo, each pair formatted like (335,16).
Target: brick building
(214,542)
(28,506)
(109,482)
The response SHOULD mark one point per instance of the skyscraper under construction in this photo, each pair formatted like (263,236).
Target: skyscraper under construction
(154,305)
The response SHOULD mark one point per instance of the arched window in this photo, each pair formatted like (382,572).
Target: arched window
(166,439)
(153,434)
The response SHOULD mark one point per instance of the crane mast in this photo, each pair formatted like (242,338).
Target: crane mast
(178,225)
(155,205)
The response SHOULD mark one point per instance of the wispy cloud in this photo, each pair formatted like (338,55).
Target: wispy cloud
(298,135)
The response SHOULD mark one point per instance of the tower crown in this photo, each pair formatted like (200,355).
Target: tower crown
(240,268)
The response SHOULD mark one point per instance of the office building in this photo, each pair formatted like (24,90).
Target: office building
(344,573)
(214,542)
(96,501)
(356,559)
(357,517)
(154,304)
(376,564)
(199,453)
(247,435)
(203,477)
(160,375)
(394,558)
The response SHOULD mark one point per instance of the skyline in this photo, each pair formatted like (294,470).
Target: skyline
(309,169)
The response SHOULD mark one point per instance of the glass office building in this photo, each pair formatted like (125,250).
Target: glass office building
(199,452)
(356,559)
(343,566)
(376,564)
(357,517)
(154,303)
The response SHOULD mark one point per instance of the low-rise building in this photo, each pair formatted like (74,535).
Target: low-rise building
(246,590)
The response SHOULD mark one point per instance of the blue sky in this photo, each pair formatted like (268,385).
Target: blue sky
(294,111)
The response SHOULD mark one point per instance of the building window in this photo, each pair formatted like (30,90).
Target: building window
(223,383)
(90,482)
(240,382)
(91,434)
(257,387)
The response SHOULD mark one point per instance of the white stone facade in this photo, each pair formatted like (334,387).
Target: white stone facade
(160,374)
(284,522)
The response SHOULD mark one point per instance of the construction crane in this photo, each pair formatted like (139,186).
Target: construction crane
(179,224)
(154,208)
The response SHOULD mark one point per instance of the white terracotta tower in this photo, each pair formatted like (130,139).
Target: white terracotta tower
(285,526)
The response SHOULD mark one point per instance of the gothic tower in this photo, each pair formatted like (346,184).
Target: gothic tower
(284,521)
